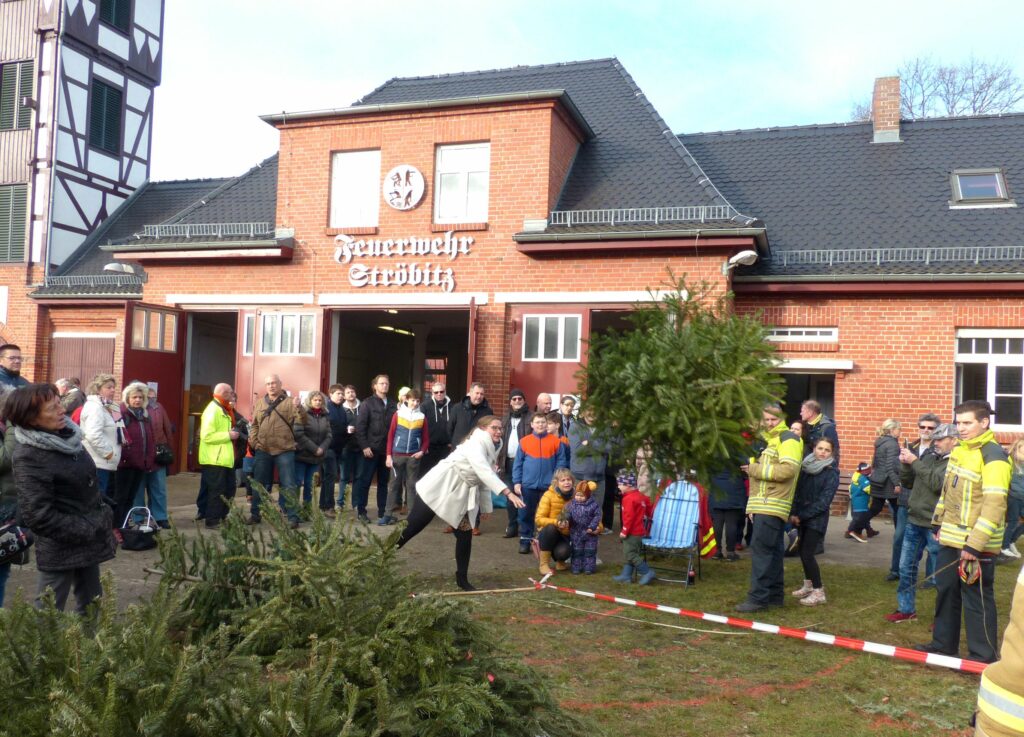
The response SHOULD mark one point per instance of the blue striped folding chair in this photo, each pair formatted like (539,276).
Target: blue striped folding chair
(675,531)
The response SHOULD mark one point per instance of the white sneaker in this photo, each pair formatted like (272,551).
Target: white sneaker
(817,596)
(1010,552)
(1012,547)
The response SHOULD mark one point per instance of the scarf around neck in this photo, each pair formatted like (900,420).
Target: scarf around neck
(67,441)
(814,465)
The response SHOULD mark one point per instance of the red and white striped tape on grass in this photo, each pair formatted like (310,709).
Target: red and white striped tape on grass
(892,651)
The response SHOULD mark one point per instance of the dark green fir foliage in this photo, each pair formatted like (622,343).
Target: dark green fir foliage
(272,632)
(685,380)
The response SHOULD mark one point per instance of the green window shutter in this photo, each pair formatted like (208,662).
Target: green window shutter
(27,76)
(105,117)
(13,219)
(8,95)
(115,13)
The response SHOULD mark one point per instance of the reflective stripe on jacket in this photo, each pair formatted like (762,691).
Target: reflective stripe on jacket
(972,507)
(773,476)
(1001,695)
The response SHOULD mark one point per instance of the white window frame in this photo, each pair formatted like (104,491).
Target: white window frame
(141,333)
(802,334)
(561,317)
(992,361)
(249,346)
(355,189)
(279,349)
(464,213)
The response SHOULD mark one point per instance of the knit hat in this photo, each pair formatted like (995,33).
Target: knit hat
(403,391)
(516,393)
(863,467)
(586,488)
(626,478)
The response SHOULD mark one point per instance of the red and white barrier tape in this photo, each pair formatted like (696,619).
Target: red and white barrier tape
(892,651)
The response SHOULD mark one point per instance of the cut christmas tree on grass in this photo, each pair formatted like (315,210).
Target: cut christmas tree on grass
(285,632)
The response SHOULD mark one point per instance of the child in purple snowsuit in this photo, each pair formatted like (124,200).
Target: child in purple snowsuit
(584,521)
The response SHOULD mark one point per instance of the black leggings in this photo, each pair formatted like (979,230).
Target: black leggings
(809,541)
(550,540)
(420,516)
(878,504)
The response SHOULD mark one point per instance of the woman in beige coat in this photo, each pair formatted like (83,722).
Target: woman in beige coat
(458,488)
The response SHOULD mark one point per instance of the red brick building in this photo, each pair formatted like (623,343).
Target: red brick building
(484,225)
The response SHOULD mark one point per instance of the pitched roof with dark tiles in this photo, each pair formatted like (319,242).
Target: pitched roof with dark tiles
(249,198)
(633,160)
(829,187)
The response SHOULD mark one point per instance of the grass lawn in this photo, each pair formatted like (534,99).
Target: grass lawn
(633,677)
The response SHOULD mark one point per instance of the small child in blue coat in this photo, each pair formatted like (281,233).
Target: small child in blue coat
(860,499)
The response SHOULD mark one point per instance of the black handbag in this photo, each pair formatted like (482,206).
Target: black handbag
(164,454)
(14,544)
(139,536)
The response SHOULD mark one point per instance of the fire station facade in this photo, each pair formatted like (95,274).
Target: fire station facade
(483,226)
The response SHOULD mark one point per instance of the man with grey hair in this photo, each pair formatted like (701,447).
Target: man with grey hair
(74,397)
(273,439)
(217,435)
(543,405)
(929,471)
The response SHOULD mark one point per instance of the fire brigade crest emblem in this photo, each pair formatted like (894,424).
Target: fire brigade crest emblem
(403,187)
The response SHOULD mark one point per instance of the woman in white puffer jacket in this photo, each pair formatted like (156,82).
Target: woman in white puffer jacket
(101,425)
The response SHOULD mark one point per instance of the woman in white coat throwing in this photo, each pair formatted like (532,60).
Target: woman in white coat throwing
(458,488)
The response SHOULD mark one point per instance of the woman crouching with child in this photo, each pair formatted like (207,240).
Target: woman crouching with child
(815,489)
(553,523)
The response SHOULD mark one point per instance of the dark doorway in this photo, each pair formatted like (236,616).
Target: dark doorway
(799,387)
(414,347)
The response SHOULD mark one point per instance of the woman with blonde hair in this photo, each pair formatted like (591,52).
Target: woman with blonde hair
(885,478)
(102,428)
(312,448)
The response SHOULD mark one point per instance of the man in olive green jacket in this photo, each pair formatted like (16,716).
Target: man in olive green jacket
(217,453)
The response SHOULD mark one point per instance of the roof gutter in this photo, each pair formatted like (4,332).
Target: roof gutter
(398,107)
(875,278)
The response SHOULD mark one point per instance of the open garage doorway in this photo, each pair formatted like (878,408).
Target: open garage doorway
(413,346)
(213,339)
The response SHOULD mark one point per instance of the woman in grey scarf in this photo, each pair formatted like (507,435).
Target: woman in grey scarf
(58,496)
(815,489)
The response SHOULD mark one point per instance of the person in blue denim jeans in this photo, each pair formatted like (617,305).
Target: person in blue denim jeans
(929,472)
(1014,501)
(272,436)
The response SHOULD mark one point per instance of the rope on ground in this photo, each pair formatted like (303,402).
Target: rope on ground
(641,621)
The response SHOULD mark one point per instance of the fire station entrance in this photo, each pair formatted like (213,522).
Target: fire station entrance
(414,346)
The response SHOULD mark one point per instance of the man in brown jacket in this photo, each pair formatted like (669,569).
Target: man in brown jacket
(273,440)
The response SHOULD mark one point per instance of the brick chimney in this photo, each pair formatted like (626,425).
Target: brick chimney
(885,110)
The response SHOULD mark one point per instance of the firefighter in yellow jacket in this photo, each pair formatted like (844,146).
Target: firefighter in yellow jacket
(970,519)
(772,483)
(1001,696)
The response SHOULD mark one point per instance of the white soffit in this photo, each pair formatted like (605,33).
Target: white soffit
(422,299)
(239,299)
(579,297)
(814,365)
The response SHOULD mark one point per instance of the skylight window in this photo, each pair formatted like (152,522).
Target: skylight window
(979,188)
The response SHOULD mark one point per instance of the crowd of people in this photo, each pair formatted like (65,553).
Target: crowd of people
(76,465)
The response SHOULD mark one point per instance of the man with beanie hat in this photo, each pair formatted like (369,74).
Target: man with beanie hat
(514,426)
(772,484)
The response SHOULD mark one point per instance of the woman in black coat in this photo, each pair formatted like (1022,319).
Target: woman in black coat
(815,489)
(58,496)
(885,474)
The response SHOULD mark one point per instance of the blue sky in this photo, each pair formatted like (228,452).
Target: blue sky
(705,65)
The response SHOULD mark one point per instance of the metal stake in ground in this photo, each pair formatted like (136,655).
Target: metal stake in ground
(892,651)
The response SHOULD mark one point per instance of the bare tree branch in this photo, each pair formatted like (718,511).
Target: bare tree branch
(975,87)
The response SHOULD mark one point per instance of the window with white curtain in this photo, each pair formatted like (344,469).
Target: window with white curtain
(355,189)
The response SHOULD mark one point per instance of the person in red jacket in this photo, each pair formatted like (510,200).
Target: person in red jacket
(637,512)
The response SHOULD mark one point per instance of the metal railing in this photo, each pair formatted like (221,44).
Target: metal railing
(93,280)
(643,215)
(206,230)
(918,255)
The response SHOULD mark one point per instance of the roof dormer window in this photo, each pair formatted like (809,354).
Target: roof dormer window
(979,188)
